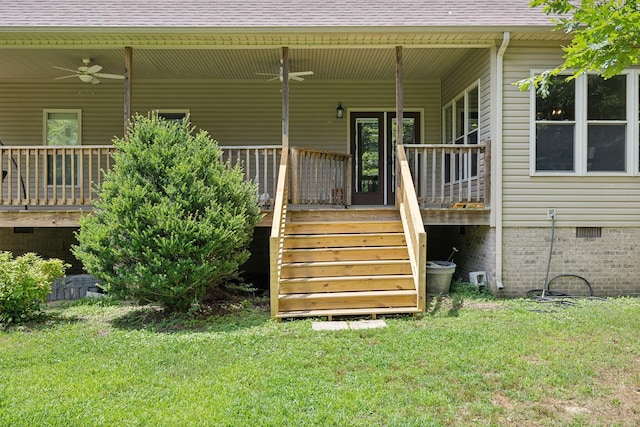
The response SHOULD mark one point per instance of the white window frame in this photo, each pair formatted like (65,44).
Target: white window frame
(464,97)
(581,124)
(53,179)
(45,122)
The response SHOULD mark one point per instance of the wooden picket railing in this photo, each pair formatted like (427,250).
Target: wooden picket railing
(442,174)
(67,176)
(43,176)
(412,224)
(260,164)
(445,174)
(320,177)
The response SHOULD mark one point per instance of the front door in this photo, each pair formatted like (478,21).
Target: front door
(372,141)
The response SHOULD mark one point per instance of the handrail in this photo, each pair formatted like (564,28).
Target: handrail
(412,224)
(320,177)
(276,239)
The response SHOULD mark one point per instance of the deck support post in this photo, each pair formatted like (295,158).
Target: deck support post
(128,64)
(285,98)
(399,111)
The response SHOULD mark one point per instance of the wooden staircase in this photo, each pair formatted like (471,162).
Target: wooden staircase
(339,262)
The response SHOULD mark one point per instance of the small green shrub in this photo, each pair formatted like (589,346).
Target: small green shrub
(25,282)
(173,221)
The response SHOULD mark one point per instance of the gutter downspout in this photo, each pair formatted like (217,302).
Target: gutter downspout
(497,155)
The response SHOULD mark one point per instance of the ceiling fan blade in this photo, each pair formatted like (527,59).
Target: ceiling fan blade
(94,69)
(109,76)
(66,77)
(301,73)
(296,78)
(275,78)
(95,81)
(266,74)
(66,69)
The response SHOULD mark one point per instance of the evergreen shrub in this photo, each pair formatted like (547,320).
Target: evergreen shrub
(172,221)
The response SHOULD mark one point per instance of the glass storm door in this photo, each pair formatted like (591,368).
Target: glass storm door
(373,150)
(367,149)
(411,135)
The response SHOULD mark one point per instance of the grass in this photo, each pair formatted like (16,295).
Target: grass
(465,362)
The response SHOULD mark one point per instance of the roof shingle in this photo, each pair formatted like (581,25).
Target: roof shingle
(220,14)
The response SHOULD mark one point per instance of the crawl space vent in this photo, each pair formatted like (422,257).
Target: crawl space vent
(586,232)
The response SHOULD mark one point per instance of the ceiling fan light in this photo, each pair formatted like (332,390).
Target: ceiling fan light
(85,78)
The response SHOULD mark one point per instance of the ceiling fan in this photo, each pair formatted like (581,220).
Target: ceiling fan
(89,74)
(293,75)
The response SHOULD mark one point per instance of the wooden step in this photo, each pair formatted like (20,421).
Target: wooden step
(347,312)
(347,284)
(344,268)
(345,262)
(334,227)
(345,254)
(350,300)
(343,240)
(343,215)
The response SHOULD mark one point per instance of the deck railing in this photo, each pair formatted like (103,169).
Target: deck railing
(412,224)
(43,176)
(50,176)
(442,174)
(446,174)
(260,163)
(320,177)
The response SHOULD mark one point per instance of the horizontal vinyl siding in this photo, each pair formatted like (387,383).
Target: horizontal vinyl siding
(580,201)
(233,112)
(22,105)
(313,109)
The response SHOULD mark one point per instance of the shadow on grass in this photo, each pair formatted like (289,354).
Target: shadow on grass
(41,321)
(456,304)
(439,303)
(219,317)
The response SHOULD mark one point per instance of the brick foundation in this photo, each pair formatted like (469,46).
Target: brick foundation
(476,246)
(610,263)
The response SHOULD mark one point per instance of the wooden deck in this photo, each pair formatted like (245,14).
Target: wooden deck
(63,216)
(327,258)
(69,216)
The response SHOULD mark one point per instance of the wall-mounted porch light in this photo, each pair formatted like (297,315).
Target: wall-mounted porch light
(340,111)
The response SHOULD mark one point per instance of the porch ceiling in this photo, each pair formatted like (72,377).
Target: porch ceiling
(236,64)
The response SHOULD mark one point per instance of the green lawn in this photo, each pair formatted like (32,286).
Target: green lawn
(470,363)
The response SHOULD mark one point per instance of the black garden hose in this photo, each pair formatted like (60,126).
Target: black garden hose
(546,294)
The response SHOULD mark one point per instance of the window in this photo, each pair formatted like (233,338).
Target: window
(606,124)
(555,127)
(173,114)
(582,127)
(460,126)
(62,128)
